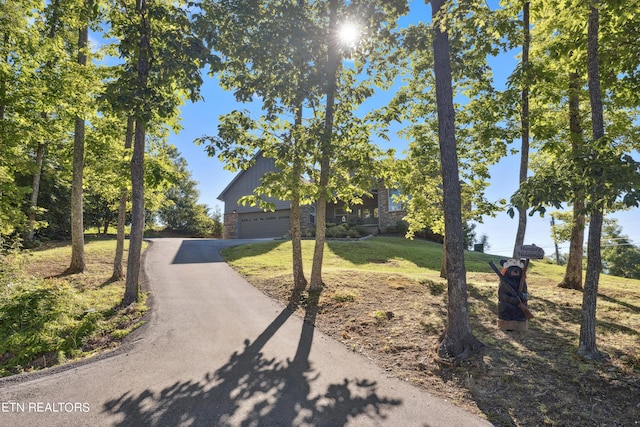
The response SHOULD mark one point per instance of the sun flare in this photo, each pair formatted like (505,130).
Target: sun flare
(349,33)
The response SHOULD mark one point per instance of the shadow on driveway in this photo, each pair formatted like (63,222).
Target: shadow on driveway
(252,390)
(196,252)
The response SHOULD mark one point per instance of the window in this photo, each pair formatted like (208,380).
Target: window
(394,204)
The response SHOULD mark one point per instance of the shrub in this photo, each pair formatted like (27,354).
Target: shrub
(30,320)
(347,230)
(344,296)
(337,231)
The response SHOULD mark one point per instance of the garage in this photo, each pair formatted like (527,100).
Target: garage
(258,225)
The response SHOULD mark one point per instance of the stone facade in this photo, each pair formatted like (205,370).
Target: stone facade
(230,227)
(306,224)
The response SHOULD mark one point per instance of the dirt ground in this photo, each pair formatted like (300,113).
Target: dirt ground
(527,378)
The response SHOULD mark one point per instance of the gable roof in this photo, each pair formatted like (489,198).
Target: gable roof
(239,175)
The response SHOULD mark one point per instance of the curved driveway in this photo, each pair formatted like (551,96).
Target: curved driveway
(218,352)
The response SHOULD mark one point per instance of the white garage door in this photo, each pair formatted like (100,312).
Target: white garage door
(257,225)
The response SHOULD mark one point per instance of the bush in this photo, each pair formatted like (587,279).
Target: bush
(347,230)
(400,227)
(30,322)
(337,231)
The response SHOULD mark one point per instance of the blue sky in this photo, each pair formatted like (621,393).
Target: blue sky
(201,118)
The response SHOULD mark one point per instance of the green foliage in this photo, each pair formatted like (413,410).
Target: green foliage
(52,321)
(347,231)
(561,231)
(381,315)
(54,205)
(619,256)
(278,50)
(343,296)
(181,211)
(178,55)
(586,173)
(48,321)
(566,163)
(483,123)
(33,322)
(400,227)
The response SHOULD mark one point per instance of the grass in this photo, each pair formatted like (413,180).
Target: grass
(386,255)
(384,299)
(48,318)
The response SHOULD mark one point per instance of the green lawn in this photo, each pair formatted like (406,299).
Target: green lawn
(379,254)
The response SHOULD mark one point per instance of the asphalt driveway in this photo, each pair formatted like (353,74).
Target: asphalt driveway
(218,352)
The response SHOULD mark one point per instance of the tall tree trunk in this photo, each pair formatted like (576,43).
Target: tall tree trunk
(137,168)
(587,346)
(555,240)
(35,190)
(321,203)
(573,272)
(137,217)
(299,281)
(118,268)
(458,340)
(524,151)
(77,224)
(443,259)
(3,93)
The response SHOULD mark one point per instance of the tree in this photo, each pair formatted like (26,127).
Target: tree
(326,149)
(77,228)
(181,211)
(276,30)
(19,41)
(610,173)
(524,151)
(562,43)
(331,149)
(619,256)
(164,57)
(557,117)
(118,268)
(53,33)
(601,168)
(573,272)
(137,159)
(342,95)
(458,339)
(587,346)
(41,94)
(481,128)
(564,231)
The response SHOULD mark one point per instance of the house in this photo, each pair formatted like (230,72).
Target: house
(378,212)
